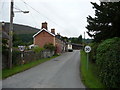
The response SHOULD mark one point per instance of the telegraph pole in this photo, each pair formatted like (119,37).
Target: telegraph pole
(11,33)
(84,39)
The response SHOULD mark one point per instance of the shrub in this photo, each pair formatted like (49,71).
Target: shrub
(37,49)
(108,61)
(49,46)
(92,55)
(16,57)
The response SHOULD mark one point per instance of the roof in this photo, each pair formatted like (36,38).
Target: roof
(43,30)
(77,44)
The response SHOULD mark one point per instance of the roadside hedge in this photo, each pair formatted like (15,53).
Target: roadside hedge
(108,61)
(49,46)
(37,49)
(92,55)
(16,59)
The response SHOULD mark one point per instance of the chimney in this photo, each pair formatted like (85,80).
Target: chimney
(44,25)
(53,31)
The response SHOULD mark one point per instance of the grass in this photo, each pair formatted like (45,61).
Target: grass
(89,77)
(0,74)
(9,72)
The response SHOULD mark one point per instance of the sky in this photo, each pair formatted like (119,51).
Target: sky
(68,17)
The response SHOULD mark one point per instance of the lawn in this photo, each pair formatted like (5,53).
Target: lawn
(9,72)
(89,77)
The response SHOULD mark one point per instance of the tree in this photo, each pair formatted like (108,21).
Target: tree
(77,40)
(106,22)
(16,40)
(64,38)
(80,39)
(49,46)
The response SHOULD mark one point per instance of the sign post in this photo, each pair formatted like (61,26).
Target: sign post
(87,50)
(22,48)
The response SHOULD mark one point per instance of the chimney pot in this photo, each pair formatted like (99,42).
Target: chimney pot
(53,31)
(44,25)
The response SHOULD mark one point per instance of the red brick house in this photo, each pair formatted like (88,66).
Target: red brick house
(44,36)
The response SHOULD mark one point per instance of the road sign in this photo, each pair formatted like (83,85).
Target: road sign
(21,48)
(87,49)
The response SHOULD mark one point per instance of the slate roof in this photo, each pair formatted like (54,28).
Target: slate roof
(45,31)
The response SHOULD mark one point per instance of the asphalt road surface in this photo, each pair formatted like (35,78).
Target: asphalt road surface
(60,72)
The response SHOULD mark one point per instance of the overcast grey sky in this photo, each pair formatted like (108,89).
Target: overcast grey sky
(68,17)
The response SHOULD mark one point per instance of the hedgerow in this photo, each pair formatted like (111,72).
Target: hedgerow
(37,49)
(108,61)
(49,46)
(92,55)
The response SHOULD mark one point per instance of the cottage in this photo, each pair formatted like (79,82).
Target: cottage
(44,36)
(4,31)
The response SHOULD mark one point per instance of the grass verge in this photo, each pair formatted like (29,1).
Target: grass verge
(9,72)
(89,77)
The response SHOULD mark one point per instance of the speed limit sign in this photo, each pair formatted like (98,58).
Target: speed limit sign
(87,49)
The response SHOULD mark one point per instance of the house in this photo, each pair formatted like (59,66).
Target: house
(4,35)
(60,45)
(31,46)
(44,36)
(4,31)
(69,46)
(77,46)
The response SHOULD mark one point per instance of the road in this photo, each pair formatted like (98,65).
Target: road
(60,72)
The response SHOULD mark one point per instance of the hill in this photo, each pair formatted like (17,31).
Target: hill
(22,35)
(21,29)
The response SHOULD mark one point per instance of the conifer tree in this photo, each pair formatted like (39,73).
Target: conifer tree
(106,23)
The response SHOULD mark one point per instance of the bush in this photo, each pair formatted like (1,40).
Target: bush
(108,61)
(37,49)
(92,55)
(16,57)
(49,46)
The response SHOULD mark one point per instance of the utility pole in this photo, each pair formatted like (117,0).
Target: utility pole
(84,39)
(11,33)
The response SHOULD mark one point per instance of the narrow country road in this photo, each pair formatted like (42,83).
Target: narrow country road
(61,72)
